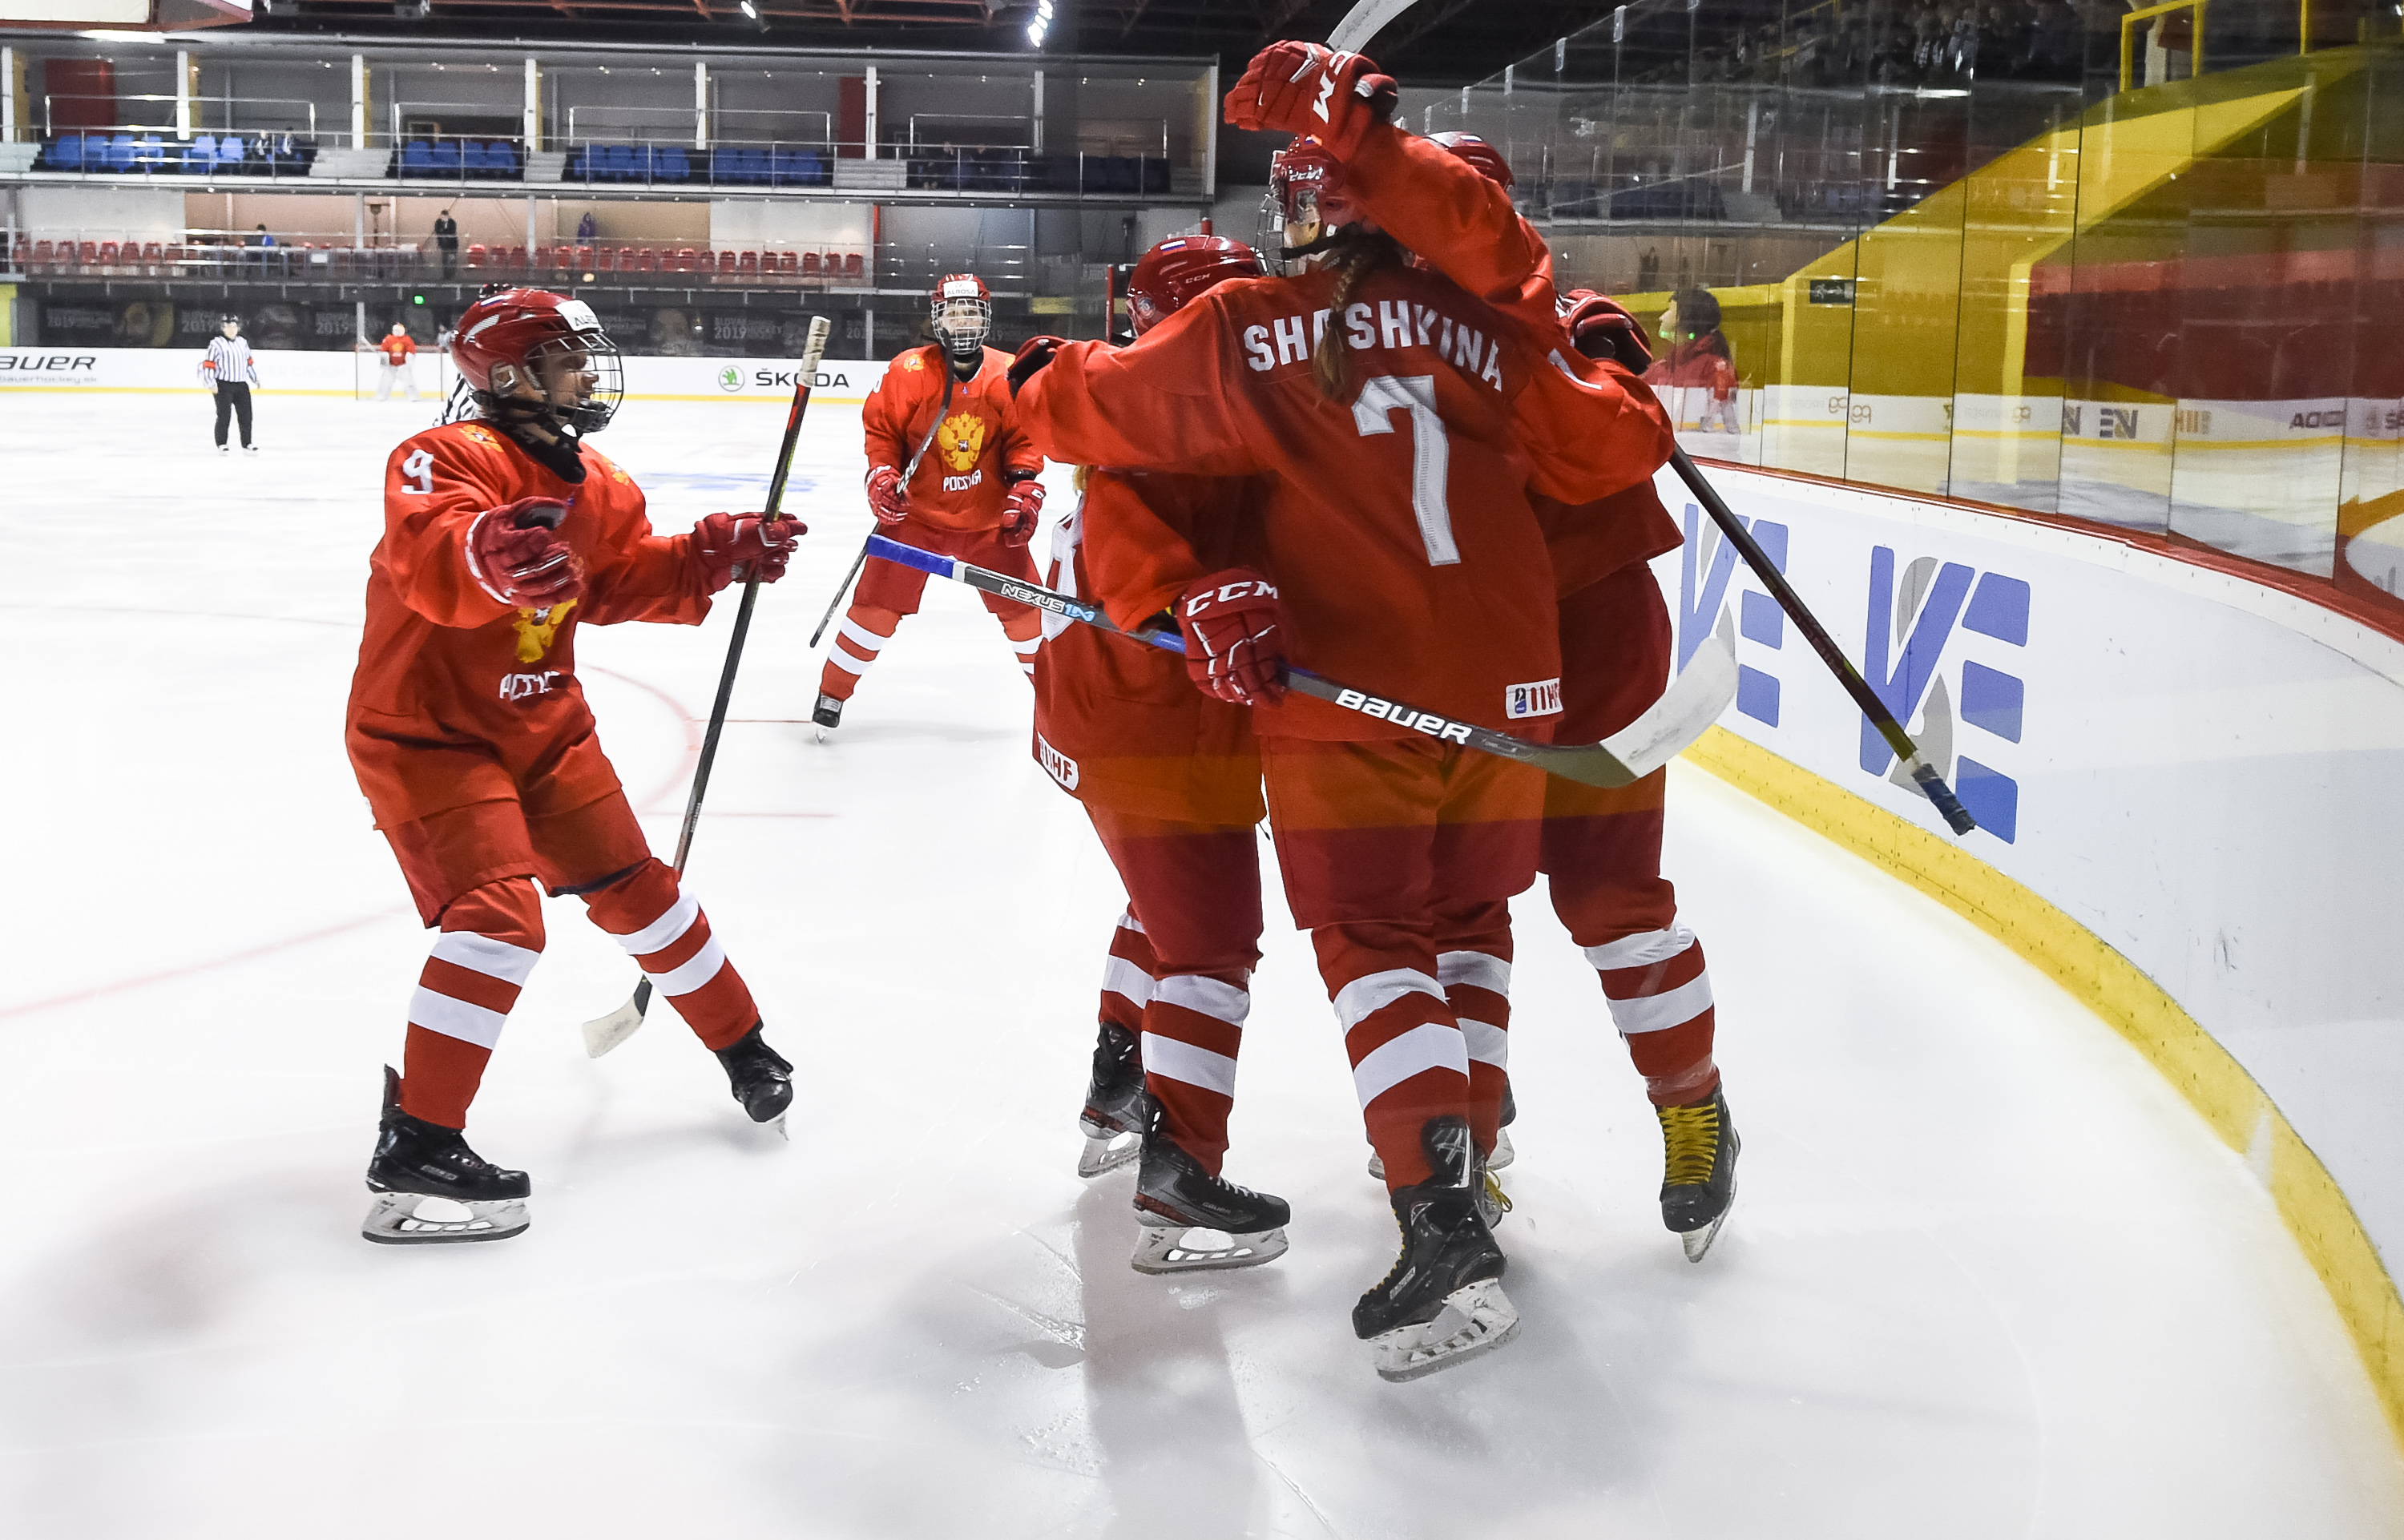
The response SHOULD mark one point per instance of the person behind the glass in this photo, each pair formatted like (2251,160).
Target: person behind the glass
(1698,360)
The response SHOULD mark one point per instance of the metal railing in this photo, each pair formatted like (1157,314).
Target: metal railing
(2151,14)
(304,120)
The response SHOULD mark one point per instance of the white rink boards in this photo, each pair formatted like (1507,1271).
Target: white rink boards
(1988,1275)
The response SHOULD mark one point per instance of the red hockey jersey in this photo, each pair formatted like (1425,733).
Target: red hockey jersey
(1396,523)
(1118,722)
(959,486)
(1464,226)
(443,665)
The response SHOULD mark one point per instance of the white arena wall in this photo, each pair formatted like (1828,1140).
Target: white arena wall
(141,370)
(2184,779)
(2182,768)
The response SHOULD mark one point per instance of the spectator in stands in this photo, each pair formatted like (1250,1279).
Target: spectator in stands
(1697,371)
(446,241)
(585,228)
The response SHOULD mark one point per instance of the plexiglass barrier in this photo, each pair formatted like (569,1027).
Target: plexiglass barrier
(1937,248)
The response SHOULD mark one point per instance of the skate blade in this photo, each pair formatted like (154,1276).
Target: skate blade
(1109,1152)
(603,1033)
(1475,1320)
(1188,1248)
(1698,1242)
(393,1220)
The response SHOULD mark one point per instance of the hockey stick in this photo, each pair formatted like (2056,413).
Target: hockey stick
(1692,702)
(1930,784)
(603,1033)
(908,475)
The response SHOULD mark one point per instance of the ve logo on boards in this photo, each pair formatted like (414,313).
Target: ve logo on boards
(1913,616)
(1703,582)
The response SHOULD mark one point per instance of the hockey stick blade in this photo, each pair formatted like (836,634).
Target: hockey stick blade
(1364,21)
(603,1033)
(1676,720)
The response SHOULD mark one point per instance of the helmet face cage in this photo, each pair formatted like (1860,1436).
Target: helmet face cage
(546,381)
(1302,185)
(962,316)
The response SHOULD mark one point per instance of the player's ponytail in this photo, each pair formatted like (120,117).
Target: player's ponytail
(1355,254)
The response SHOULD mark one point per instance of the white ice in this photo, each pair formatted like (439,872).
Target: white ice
(1989,1276)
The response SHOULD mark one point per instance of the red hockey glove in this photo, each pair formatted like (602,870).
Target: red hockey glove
(1306,88)
(1019,514)
(1603,328)
(887,498)
(1033,353)
(1233,651)
(515,554)
(722,542)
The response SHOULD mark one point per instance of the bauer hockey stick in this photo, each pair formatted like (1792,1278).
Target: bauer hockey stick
(908,474)
(1923,773)
(603,1033)
(1692,702)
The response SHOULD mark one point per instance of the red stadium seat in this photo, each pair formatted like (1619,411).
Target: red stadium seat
(708,262)
(87,253)
(517,260)
(151,255)
(747,265)
(42,254)
(476,255)
(785,263)
(646,259)
(583,258)
(684,259)
(809,264)
(108,254)
(851,264)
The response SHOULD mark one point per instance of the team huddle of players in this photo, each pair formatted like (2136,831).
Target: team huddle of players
(1406,463)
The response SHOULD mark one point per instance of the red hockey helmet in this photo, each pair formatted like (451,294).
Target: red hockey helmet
(961,308)
(1482,156)
(1307,192)
(527,352)
(1185,268)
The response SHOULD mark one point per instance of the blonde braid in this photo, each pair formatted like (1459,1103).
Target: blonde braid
(1357,255)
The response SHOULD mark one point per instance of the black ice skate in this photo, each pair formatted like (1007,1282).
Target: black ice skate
(1183,1209)
(1443,1300)
(760,1077)
(1117,1108)
(1698,1183)
(1503,1154)
(828,715)
(415,1161)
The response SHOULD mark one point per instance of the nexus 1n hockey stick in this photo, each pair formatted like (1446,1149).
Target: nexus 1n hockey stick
(908,474)
(604,1033)
(1932,785)
(1692,702)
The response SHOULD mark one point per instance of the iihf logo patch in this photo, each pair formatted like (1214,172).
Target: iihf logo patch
(1540,699)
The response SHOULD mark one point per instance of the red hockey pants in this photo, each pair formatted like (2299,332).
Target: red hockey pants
(1180,964)
(1400,857)
(1603,849)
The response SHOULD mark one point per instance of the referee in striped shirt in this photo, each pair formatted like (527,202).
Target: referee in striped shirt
(230,373)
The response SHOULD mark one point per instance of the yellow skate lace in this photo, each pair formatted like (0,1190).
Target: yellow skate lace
(1501,1199)
(1692,1135)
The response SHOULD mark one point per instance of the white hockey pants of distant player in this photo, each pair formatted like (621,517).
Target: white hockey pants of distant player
(389,371)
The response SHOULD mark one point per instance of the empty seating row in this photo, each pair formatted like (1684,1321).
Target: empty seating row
(1015,171)
(248,155)
(460,158)
(834,267)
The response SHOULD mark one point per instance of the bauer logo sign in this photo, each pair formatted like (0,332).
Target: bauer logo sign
(32,367)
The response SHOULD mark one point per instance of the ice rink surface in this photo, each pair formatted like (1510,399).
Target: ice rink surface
(1988,1275)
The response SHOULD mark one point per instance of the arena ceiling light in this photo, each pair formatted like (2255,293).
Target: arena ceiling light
(1041,24)
(752,14)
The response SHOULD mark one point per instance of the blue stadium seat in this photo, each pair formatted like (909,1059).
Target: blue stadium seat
(672,165)
(416,158)
(503,157)
(66,153)
(121,154)
(474,159)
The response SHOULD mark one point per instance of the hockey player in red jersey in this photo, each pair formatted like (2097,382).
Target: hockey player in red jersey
(1447,199)
(469,732)
(1171,777)
(1376,400)
(947,471)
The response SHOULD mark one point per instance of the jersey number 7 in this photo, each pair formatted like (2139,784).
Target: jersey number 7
(1382,395)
